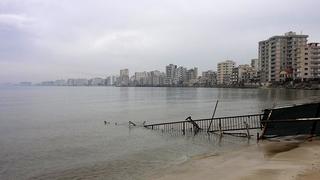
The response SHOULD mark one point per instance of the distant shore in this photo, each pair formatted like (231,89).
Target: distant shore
(314,87)
(281,160)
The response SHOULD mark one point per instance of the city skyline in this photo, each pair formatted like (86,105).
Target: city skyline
(102,37)
(282,58)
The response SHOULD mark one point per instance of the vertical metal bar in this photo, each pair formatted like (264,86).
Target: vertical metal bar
(184,128)
(214,112)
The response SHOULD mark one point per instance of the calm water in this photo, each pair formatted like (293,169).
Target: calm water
(58,132)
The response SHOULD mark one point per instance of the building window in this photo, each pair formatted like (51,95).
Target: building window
(306,69)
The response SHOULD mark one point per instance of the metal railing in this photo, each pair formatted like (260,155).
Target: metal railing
(231,123)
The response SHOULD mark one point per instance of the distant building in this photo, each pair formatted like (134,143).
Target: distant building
(208,78)
(244,74)
(108,81)
(70,82)
(140,78)
(81,82)
(247,74)
(255,64)
(278,57)
(25,83)
(235,76)
(170,74)
(124,77)
(308,63)
(180,76)
(115,80)
(60,82)
(192,76)
(97,82)
(157,78)
(224,71)
(47,83)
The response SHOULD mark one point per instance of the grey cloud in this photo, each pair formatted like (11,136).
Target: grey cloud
(82,38)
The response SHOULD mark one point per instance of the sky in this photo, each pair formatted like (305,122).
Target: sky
(59,39)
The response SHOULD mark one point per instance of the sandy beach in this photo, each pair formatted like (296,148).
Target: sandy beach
(279,159)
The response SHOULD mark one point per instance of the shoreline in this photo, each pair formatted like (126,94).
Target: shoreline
(213,87)
(281,160)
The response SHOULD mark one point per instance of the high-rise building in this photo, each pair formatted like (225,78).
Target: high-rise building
(224,71)
(192,75)
(124,77)
(140,78)
(278,56)
(156,78)
(180,75)
(308,63)
(170,73)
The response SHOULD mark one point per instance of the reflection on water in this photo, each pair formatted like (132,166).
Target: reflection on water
(58,132)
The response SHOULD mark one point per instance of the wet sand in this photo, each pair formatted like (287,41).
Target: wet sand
(284,159)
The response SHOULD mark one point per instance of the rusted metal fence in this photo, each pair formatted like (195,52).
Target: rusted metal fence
(232,123)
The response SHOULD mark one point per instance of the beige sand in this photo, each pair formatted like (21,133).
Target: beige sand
(266,160)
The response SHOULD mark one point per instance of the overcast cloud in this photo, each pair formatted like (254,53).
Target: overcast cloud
(54,39)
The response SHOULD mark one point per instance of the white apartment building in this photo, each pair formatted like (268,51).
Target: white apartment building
(224,71)
(308,63)
(278,56)
(180,75)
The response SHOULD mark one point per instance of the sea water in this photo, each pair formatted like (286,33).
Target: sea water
(59,132)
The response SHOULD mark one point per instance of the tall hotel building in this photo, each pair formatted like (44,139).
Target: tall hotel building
(278,56)
(225,71)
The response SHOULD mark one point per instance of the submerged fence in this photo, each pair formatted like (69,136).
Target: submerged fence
(232,123)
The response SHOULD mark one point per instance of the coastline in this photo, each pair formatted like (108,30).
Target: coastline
(282,160)
(214,87)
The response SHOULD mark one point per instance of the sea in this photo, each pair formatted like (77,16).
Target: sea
(59,132)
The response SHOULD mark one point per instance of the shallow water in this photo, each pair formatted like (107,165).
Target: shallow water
(58,132)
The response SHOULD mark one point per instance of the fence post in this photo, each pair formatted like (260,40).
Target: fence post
(247,127)
(220,129)
(184,128)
